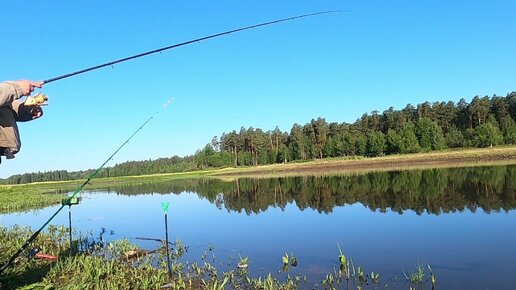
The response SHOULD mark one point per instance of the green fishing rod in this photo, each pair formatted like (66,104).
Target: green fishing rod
(111,63)
(69,199)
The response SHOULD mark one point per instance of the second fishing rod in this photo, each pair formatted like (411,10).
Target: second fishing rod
(66,202)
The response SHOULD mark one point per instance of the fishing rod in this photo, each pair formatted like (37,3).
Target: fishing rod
(111,63)
(70,199)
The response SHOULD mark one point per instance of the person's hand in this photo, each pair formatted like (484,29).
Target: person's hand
(36,112)
(27,86)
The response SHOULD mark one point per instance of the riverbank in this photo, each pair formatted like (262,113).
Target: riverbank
(37,195)
(438,159)
(40,194)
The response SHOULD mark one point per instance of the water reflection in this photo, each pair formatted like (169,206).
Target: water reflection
(433,191)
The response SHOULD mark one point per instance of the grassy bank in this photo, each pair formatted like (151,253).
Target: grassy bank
(438,159)
(93,264)
(35,195)
(41,194)
(21,198)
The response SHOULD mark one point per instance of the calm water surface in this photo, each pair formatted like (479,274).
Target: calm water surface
(460,221)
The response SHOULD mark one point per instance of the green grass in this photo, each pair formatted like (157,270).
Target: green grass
(41,194)
(26,197)
(109,266)
(94,264)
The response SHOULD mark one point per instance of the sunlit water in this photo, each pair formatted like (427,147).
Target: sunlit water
(460,221)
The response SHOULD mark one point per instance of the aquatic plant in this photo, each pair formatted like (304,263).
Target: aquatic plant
(346,266)
(243,263)
(361,277)
(288,261)
(416,276)
(375,278)
(285,259)
(330,282)
(433,279)
(293,260)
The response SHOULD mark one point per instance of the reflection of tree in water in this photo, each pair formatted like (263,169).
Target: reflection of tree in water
(434,191)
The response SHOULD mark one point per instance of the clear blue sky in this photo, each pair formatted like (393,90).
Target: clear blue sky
(337,66)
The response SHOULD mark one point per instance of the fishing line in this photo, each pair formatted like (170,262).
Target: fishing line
(71,197)
(112,63)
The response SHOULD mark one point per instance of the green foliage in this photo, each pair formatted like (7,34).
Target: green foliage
(429,134)
(285,259)
(508,127)
(320,128)
(409,142)
(416,276)
(419,277)
(376,144)
(25,197)
(208,157)
(487,135)
(360,144)
(394,142)
(244,158)
(469,137)
(454,138)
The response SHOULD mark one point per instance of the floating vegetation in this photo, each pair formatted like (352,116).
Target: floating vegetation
(288,261)
(418,278)
(375,278)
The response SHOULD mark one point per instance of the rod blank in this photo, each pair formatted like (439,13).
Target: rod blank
(111,63)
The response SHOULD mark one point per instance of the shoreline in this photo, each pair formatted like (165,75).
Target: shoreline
(450,158)
(437,159)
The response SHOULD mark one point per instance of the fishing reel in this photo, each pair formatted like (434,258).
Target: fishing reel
(36,100)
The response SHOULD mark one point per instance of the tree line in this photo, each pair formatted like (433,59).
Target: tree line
(428,126)
(129,168)
(485,121)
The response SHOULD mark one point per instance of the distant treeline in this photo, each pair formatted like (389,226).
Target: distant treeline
(161,165)
(485,121)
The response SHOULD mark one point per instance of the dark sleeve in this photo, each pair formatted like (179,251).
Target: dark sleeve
(22,113)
